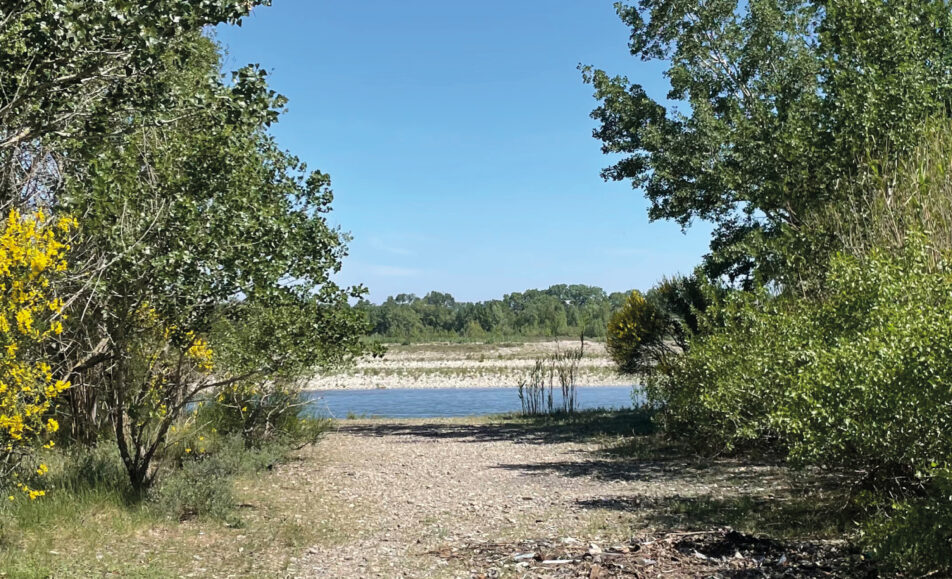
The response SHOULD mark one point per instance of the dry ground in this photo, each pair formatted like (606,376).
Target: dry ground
(471,498)
(462,499)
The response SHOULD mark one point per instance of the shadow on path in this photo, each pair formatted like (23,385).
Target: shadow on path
(581,427)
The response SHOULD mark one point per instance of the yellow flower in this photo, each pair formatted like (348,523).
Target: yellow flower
(32,248)
(24,321)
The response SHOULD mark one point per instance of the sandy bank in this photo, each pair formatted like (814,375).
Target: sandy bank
(443,365)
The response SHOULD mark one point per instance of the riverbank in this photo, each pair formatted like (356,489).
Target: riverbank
(594,497)
(469,365)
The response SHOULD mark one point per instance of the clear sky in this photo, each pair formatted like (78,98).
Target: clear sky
(458,138)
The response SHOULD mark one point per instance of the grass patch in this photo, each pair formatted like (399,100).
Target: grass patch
(234,512)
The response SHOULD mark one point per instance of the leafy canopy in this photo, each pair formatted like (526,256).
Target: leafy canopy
(775,102)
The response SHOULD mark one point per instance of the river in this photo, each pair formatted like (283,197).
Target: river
(448,402)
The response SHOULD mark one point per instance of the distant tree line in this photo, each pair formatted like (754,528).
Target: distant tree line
(561,310)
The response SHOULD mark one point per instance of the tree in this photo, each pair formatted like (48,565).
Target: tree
(683,299)
(193,219)
(74,71)
(204,220)
(782,100)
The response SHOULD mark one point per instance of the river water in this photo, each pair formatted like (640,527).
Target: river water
(448,402)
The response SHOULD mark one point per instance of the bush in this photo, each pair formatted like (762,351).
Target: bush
(856,378)
(636,334)
(914,534)
(32,259)
(682,299)
(201,482)
(202,488)
(272,413)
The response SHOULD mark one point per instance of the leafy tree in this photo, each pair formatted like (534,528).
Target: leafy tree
(559,310)
(204,219)
(398,320)
(780,101)
(79,70)
(193,219)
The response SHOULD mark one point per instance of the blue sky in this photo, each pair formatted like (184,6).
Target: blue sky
(458,139)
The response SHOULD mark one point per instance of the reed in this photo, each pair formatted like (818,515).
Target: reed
(537,390)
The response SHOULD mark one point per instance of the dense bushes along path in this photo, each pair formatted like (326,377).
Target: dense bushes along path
(442,498)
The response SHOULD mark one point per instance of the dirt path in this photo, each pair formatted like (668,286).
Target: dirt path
(457,499)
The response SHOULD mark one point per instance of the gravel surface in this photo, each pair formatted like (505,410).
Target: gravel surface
(444,498)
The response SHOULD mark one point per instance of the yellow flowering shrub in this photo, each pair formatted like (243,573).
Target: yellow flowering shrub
(32,253)
(636,334)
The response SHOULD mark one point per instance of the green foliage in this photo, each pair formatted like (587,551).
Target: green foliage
(76,69)
(201,488)
(263,414)
(775,103)
(816,137)
(855,379)
(202,485)
(194,221)
(637,334)
(913,534)
(682,299)
(194,216)
(560,310)
(890,197)
(83,469)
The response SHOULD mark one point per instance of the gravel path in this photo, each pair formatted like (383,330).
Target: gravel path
(425,495)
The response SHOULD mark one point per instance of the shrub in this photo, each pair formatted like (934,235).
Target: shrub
(203,487)
(269,413)
(855,378)
(914,533)
(32,253)
(636,334)
(682,298)
(201,482)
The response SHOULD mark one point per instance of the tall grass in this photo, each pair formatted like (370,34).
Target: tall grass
(536,392)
